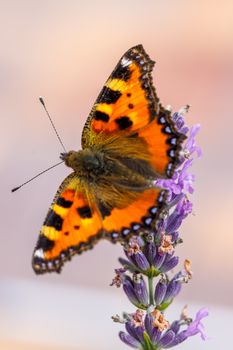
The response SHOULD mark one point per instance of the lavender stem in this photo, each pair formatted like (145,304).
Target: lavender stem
(151,290)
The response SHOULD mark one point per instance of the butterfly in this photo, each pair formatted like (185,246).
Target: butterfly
(128,141)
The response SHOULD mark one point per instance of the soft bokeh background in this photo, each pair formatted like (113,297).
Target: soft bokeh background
(65,50)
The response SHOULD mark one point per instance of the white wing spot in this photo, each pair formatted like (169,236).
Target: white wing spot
(125,62)
(39,253)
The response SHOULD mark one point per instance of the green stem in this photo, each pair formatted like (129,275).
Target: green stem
(151,291)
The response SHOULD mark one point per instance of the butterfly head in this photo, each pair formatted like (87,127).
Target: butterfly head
(84,162)
(68,157)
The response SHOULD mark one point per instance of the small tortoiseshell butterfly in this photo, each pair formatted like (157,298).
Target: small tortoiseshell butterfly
(129,140)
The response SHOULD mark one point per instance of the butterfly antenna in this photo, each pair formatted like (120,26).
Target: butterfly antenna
(34,177)
(43,104)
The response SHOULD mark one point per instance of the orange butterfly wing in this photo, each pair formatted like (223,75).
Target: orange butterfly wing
(128,105)
(128,100)
(72,225)
(120,224)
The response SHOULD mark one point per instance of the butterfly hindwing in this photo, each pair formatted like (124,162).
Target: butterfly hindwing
(72,225)
(121,223)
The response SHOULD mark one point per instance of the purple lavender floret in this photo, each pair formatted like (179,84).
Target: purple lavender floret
(196,326)
(151,256)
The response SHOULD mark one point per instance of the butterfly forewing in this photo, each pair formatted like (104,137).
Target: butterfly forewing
(128,100)
(128,106)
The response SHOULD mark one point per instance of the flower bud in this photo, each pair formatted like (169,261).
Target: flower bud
(129,340)
(166,339)
(129,291)
(149,324)
(140,290)
(141,261)
(173,289)
(159,259)
(160,291)
(150,252)
(136,332)
(169,264)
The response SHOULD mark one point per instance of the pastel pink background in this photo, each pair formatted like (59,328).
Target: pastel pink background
(65,50)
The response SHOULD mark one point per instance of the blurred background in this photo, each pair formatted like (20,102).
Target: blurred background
(64,51)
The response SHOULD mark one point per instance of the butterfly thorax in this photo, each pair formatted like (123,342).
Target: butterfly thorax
(86,163)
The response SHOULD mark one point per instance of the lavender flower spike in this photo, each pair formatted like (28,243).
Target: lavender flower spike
(152,255)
